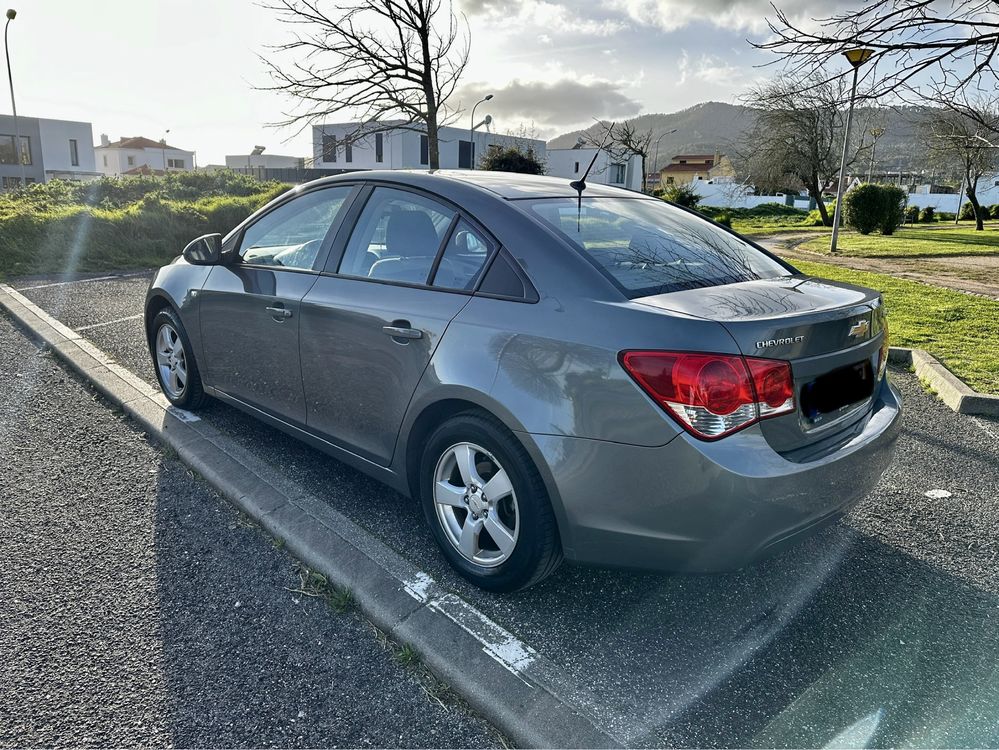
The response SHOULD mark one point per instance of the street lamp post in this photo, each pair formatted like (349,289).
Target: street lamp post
(857,57)
(11,15)
(471,130)
(163,149)
(655,159)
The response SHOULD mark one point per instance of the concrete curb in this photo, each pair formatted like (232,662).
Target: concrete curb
(526,696)
(952,390)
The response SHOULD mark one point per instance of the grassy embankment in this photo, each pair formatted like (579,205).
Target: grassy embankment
(132,222)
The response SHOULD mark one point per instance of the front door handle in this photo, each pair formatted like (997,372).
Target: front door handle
(401,332)
(279,312)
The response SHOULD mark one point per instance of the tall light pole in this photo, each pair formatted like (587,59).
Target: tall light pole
(11,15)
(471,129)
(163,149)
(857,57)
(655,160)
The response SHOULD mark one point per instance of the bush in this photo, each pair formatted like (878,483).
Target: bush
(682,195)
(967,212)
(912,214)
(945,216)
(724,219)
(994,211)
(864,206)
(893,200)
(512,160)
(927,215)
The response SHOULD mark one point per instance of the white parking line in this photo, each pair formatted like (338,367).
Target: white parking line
(108,323)
(82,281)
(985,428)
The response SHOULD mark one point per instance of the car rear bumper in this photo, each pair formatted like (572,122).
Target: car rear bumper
(707,506)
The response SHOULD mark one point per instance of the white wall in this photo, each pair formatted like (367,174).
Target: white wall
(263,161)
(401,147)
(55,136)
(571,163)
(154,158)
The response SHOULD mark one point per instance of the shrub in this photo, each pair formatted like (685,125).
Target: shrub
(927,215)
(994,211)
(724,219)
(967,212)
(912,214)
(864,207)
(893,200)
(682,195)
(512,160)
(945,216)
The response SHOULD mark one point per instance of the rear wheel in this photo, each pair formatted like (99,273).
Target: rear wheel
(487,506)
(176,370)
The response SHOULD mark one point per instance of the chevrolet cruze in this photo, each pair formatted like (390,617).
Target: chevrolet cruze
(551,370)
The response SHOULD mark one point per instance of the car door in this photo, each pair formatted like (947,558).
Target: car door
(250,305)
(369,329)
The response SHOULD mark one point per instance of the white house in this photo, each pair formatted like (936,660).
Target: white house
(49,149)
(140,155)
(405,148)
(263,161)
(571,163)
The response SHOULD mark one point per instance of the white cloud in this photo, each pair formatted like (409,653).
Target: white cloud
(742,15)
(553,17)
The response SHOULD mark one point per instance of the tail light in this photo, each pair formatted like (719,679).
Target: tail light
(713,395)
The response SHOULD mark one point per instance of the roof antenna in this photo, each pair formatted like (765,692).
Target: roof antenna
(580,185)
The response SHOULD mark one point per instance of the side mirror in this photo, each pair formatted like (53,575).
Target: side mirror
(204,251)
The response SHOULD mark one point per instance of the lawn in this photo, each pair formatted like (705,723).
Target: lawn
(961,330)
(917,241)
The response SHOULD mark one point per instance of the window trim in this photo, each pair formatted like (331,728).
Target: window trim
(236,241)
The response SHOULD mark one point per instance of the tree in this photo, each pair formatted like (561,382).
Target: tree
(385,63)
(797,135)
(952,44)
(512,159)
(624,140)
(957,138)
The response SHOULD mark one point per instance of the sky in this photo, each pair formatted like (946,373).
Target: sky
(192,67)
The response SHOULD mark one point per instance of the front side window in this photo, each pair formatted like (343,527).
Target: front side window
(648,247)
(396,237)
(464,256)
(291,235)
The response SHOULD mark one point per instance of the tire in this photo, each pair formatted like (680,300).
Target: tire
(466,522)
(172,357)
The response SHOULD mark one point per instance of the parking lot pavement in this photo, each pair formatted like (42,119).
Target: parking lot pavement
(881,630)
(138,608)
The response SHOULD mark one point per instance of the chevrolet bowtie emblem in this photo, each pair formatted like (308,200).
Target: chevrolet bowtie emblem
(860,328)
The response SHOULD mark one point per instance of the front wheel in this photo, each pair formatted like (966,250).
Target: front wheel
(487,506)
(176,370)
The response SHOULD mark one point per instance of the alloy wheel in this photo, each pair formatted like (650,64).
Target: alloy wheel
(476,504)
(171,361)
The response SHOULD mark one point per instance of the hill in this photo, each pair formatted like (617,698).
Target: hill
(715,126)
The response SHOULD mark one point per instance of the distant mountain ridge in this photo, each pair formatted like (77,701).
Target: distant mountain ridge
(712,127)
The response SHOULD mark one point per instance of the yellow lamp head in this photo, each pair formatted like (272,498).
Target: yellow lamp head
(858,57)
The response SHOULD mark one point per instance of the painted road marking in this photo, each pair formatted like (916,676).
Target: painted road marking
(82,281)
(109,322)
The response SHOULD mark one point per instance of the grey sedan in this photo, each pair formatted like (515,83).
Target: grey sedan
(551,370)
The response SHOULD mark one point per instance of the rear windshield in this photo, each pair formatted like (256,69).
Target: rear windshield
(648,247)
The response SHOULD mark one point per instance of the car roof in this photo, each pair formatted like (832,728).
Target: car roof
(508,185)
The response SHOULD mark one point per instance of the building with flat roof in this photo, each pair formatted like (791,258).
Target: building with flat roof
(48,150)
(608,169)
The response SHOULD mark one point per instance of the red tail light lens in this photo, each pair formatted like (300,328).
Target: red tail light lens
(713,395)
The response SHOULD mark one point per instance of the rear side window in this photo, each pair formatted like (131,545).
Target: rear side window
(648,247)
(397,237)
(463,258)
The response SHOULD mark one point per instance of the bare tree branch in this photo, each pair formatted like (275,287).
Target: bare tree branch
(384,63)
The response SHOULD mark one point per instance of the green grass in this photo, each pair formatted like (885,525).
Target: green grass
(961,330)
(917,241)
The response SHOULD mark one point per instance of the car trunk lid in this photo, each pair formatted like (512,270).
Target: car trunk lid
(830,332)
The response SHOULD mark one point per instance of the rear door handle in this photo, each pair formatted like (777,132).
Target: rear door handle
(400,332)
(279,312)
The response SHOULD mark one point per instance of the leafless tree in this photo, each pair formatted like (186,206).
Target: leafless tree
(384,63)
(957,138)
(797,135)
(624,140)
(950,44)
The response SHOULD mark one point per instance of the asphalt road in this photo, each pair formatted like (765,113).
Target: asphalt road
(881,630)
(139,608)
